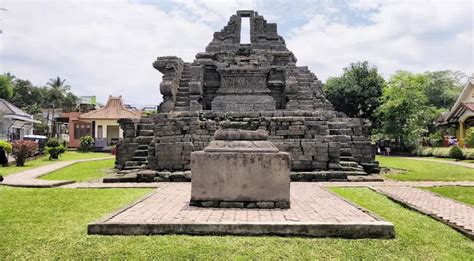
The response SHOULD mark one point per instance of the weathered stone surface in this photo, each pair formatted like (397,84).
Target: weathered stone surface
(255,86)
(239,171)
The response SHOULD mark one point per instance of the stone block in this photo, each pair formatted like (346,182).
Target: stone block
(240,177)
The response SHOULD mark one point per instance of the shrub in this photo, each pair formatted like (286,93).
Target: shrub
(52,143)
(86,143)
(456,153)
(436,138)
(7,146)
(441,152)
(54,148)
(22,149)
(469,139)
(55,152)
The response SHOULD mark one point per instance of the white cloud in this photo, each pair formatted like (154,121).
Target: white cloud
(107,47)
(408,35)
(101,48)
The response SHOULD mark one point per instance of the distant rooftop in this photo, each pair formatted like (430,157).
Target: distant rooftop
(113,110)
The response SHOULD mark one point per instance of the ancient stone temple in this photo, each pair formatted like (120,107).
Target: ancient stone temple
(245,86)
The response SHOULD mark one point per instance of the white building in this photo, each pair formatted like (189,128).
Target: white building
(14,123)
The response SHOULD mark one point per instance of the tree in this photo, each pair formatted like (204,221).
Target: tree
(28,97)
(357,92)
(57,92)
(6,87)
(405,111)
(70,102)
(442,88)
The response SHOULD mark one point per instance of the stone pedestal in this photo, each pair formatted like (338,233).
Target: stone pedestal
(240,169)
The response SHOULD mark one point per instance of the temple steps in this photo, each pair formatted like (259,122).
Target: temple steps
(182,96)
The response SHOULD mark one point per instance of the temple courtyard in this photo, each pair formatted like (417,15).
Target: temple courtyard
(422,209)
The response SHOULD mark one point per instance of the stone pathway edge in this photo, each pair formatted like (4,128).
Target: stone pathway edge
(433,215)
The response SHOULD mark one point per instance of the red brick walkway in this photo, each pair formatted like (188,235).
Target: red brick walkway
(454,213)
(314,212)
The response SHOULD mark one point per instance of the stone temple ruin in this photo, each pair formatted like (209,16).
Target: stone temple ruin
(249,87)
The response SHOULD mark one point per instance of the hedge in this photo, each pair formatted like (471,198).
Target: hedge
(442,152)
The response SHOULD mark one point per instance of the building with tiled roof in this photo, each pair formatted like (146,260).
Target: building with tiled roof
(102,124)
(14,122)
(461,115)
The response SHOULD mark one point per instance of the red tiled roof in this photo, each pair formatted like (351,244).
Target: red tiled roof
(113,110)
(469,105)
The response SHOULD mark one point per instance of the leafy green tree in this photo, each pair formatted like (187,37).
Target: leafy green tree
(28,97)
(6,87)
(442,88)
(405,111)
(70,102)
(357,92)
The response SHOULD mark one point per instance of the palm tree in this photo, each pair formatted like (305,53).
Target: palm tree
(58,84)
(57,95)
(10,77)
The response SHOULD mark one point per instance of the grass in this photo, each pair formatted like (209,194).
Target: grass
(82,171)
(462,194)
(52,224)
(417,170)
(43,160)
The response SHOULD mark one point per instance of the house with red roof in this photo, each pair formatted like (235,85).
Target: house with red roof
(101,124)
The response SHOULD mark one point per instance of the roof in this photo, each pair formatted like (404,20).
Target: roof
(469,105)
(113,110)
(10,111)
(459,106)
(8,108)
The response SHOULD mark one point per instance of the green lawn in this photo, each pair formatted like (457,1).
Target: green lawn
(52,224)
(82,171)
(417,170)
(462,194)
(43,160)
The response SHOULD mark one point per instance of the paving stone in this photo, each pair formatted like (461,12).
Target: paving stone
(314,212)
(456,214)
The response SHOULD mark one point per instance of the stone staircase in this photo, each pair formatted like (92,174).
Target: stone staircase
(182,97)
(310,94)
(305,78)
(145,135)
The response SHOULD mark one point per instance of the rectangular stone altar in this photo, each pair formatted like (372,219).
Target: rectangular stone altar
(240,169)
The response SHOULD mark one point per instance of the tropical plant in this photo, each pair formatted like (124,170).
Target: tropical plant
(86,143)
(22,149)
(7,146)
(456,153)
(54,149)
(6,87)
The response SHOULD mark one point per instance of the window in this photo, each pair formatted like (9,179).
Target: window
(244,30)
(81,129)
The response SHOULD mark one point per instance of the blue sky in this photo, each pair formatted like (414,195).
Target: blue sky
(107,47)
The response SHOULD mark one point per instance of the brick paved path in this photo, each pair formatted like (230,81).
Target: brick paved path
(313,210)
(451,212)
(29,178)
